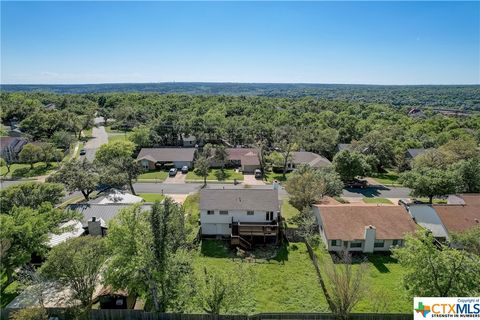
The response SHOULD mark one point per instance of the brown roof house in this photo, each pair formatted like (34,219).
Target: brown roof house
(460,217)
(150,157)
(247,159)
(367,228)
(308,158)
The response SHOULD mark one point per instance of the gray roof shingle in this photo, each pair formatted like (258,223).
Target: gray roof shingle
(167,154)
(312,159)
(239,199)
(100,211)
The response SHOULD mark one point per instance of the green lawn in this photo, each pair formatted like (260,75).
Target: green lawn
(389,178)
(384,279)
(22,170)
(117,137)
(377,200)
(154,175)
(272,176)
(288,212)
(216,175)
(285,283)
(151,197)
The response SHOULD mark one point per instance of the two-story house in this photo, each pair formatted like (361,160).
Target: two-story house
(246,216)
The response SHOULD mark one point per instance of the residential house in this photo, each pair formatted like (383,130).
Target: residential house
(411,154)
(190,141)
(427,217)
(416,113)
(460,217)
(246,216)
(247,159)
(10,147)
(366,228)
(151,157)
(307,158)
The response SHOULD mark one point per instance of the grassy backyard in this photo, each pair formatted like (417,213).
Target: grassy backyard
(154,175)
(216,175)
(23,170)
(151,197)
(384,280)
(288,212)
(286,282)
(377,200)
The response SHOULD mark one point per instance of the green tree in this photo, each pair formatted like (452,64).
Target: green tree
(427,182)
(350,165)
(111,151)
(77,264)
(202,168)
(30,194)
(140,136)
(24,232)
(220,155)
(307,186)
(286,140)
(467,175)
(48,152)
(378,144)
(62,139)
(30,153)
(468,240)
(437,272)
(121,172)
(77,175)
(152,245)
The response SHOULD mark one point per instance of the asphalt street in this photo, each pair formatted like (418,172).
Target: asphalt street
(99,137)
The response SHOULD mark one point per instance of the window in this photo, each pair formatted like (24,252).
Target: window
(209,211)
(396,242)
(269,216)
(250,213)
(355,244)
(223,212)
(335,243)
(379,244)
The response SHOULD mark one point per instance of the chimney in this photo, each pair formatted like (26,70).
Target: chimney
(95,227)
(370,235)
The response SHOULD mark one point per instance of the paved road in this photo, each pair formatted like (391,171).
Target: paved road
(99,137)
(378,191)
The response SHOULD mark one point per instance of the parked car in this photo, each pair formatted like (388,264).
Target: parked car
(185,169)
(172,172)
(356,184)
(83,152)
(258,174)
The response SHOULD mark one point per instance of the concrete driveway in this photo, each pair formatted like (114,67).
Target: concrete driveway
(99,137)
(178,179)
(252,181)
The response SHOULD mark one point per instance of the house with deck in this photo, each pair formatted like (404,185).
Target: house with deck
(150,158)
(363,228)
(245,216)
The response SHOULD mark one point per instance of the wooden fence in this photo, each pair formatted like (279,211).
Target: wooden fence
(142,315)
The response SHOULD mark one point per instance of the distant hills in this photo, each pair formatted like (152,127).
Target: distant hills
(463,97)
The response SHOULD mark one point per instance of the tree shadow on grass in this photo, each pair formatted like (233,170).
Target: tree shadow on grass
(379,260)
(215,249)
(283,251)
(222,175)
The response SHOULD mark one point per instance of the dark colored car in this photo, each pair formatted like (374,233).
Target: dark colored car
(83,152)
(258,174)
(172,172)
(185,169)
(356,184)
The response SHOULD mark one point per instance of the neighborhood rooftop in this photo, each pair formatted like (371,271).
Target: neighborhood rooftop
(312,159)
(426,216)
(412,153)
(459,218)
(239,199)
(106,212)
(349,222)
(167,154)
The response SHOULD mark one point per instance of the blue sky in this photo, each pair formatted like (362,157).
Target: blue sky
(315,42)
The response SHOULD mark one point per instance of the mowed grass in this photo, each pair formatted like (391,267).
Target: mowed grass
(285,283)
(272,176)
(216,175)
(377,200)
(389,178)
(154,175)
(384,278)
(151,197)
(117,137)
(289,212)
(23,170)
